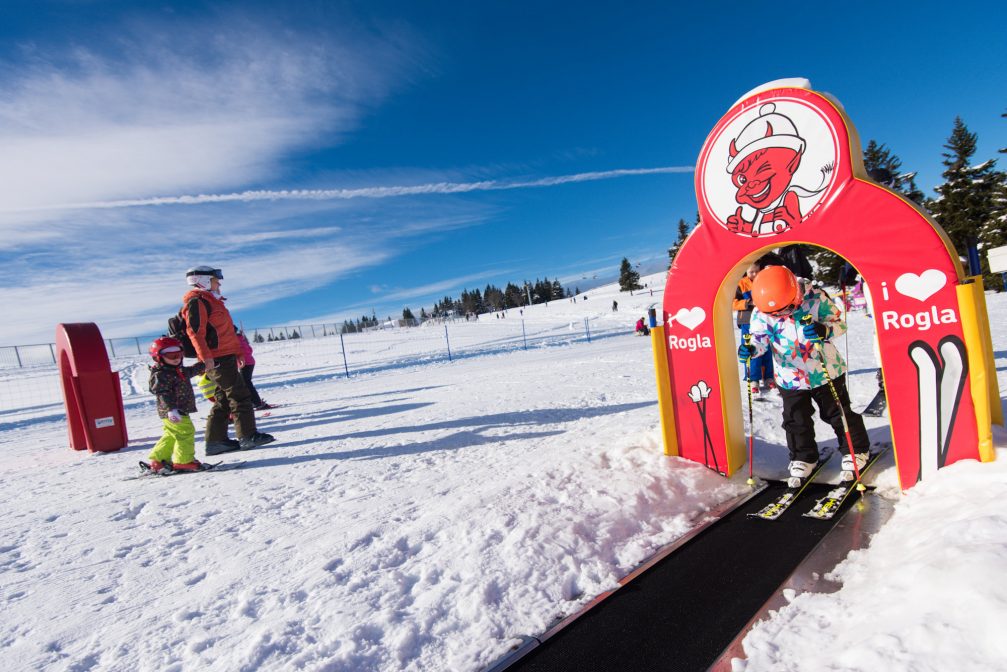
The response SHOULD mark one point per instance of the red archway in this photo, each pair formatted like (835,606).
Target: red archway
(784,166)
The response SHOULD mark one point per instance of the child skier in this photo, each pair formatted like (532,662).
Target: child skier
(169,381)
(800,347)
(246,367)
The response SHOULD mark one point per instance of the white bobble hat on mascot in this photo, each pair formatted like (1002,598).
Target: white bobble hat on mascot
(769,129)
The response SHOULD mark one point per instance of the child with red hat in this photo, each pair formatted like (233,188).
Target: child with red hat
(169,381)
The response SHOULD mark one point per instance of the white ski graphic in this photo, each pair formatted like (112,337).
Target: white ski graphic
(940,386)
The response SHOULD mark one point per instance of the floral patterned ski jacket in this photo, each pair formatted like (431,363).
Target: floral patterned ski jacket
(797,362)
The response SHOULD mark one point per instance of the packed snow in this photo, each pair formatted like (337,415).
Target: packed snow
(429,513)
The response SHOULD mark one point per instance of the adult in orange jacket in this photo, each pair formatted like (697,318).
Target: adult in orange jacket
(211,330)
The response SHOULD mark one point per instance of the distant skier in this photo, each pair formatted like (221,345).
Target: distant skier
(247,365)
(169,381)
(641,328)
(799,351)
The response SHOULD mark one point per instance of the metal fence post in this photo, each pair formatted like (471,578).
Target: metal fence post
(448,341)
(524,336)
(342,346)
(138,350)
(111,346)
(587,330)
(52,351)
(18,355)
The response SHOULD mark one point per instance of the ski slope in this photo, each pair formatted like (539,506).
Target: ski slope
(428,514)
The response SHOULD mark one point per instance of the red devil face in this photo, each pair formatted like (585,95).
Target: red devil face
(763,177)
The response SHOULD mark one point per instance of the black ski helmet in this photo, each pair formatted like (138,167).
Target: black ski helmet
(882,176)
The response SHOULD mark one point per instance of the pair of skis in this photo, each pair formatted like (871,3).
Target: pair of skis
(824,508)
(775,509)
(145,471)
(829,505)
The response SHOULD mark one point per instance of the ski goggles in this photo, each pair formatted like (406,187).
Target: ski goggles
(786,311)
(206,270)
(171,350)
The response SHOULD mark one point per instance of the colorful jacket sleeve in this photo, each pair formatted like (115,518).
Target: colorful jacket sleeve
(761,334)
(825,312)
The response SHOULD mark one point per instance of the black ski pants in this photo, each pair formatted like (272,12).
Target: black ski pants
(799,420)
(232,398)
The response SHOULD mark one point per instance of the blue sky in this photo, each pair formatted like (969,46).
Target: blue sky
(314,151)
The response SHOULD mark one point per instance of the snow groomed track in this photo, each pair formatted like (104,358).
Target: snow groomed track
(687,609)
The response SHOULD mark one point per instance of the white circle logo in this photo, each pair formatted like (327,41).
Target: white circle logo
(770,167)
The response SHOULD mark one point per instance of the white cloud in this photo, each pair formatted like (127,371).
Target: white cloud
(206,107)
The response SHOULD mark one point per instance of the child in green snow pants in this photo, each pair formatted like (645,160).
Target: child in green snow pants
(170,383)
(177,444)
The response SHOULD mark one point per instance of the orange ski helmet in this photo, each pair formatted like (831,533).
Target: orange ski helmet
(774,289)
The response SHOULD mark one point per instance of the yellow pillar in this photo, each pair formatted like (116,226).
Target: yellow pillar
(982,372)
(664,405)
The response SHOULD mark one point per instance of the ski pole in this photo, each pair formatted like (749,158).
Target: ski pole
(846,316)
(751,421)
(842,414)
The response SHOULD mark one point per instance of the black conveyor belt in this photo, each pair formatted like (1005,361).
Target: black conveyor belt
(685,610)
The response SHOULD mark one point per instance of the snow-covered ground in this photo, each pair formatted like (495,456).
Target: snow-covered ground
(426,514)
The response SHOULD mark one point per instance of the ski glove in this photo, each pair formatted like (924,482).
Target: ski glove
(745,352)
(174,416)
(814,332)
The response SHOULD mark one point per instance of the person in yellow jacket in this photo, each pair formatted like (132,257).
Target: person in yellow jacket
(211,330)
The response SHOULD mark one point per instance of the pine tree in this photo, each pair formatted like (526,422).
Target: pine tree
(876,156)
(683,233)
(879,156)
(514,296)
(628,278)
(967,206)
(994,234)
(557,290)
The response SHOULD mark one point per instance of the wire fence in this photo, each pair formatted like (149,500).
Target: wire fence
(22,356)
(31,386)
